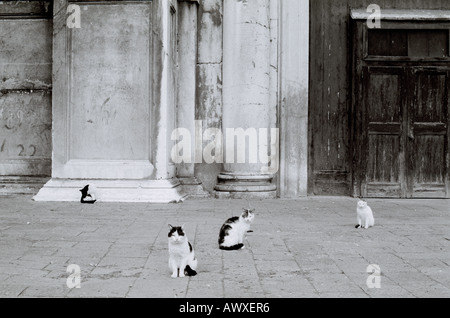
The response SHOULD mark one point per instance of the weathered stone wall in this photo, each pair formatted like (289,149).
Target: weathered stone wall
(209,105)
(110,109)
(25,88)
(186,77)
(294,88)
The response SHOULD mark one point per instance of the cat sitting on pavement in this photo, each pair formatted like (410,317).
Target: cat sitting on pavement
(182,259)
(364,215)
(232,233)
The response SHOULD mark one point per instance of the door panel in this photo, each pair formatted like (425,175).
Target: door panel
(383,141)
(428,133)
(383,163)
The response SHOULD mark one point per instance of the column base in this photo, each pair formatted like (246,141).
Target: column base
(148,191)
(245,186)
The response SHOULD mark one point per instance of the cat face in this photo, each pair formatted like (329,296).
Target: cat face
(362,204)
(176,234)
(248,215)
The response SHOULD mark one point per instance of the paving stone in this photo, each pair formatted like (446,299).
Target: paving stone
(298,248)
(12,290)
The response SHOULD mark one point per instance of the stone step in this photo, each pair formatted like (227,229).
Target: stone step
(239,187)
(244,178)
(11,185)
(245,186)
(266,195)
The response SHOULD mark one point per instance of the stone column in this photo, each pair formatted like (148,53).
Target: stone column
(246,99)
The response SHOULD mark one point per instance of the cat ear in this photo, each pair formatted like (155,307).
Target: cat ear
(170,226)
(182,227)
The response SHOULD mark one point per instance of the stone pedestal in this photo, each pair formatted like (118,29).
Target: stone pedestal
(246,98)
(113,101)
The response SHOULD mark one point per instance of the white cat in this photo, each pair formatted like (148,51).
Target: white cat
(182,259)
(364,215)
(233,232)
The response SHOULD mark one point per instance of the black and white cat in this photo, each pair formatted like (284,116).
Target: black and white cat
(182,259)
(364,215)
(88,194)
(232,233)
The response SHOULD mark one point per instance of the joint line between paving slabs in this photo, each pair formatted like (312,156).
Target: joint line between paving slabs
(149,255)
(301,269)
(343,272)
(257,272)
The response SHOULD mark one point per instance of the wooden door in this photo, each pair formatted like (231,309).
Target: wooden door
(404,141)
(428,133)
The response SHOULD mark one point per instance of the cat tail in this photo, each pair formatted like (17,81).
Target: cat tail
(232,248)
(191,267)
(189,271)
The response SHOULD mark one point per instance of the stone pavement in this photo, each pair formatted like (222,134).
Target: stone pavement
(299,248)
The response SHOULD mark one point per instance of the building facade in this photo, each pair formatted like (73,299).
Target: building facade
(158,100)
